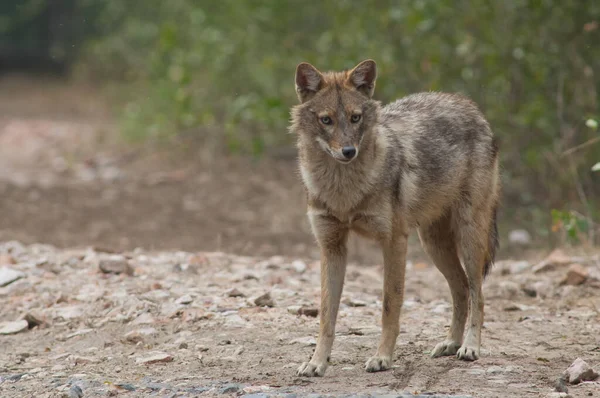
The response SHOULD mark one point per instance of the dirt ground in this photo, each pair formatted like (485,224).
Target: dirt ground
(181,233)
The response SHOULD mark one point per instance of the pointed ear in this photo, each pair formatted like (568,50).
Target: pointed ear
(308,81)
(363,77)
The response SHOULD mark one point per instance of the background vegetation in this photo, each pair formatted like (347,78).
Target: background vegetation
(223,71)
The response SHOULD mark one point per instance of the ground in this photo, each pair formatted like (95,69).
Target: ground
(120,256)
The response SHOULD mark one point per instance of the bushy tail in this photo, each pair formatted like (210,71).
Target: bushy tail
(493,243)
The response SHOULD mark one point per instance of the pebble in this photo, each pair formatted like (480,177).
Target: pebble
(235,293)
(309,311)
(560,385)
(305,341)
(299,266)
(74,392)
(158,357)
(145,318)
(185,299)
(7,259)
(519,237)
(354,302)
(13,327)
(580,371)
(83,360)
(69,312)
(231,388)
(135,336)
(34,319)
(519,267)
(116,266)
(576,275)
(294,309)
(554,260)
(9,275)
(265,300)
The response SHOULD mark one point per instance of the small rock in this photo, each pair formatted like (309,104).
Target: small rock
(9,275)
(311,312)
(83,360)
(518,267)
(79,332)
(158,357)
(294,309)
(265,300)
(235,293)
(144,318)
(125,386)
(183,346)
(580,371)
(34,319)
(305,341)
(116,266)
(519,237)
(576,275)
(513,307)
(185,299)
(508,289)
(556,259)
(561,385)
(299,266)
(558,395)
(7,259)
(135,336)
(239,350)
(530,291)
(74,392)
(231,388)
(13,327)
(69,312)
(354,303)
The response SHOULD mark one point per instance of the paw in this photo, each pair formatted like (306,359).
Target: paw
(311,369)
(445,348)
(467,353)
(378,363)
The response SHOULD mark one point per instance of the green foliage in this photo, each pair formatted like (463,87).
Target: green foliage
(224,70)
(571,223)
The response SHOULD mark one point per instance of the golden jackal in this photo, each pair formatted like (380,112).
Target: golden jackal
(429,161)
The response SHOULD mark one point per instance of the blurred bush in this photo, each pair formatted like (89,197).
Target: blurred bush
(223,70)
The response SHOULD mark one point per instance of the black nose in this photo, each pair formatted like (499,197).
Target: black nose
(349,152)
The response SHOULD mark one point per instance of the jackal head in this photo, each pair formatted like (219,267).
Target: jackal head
(336,109)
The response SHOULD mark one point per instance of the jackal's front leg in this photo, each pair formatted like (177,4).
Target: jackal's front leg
(333,269)
(394,263)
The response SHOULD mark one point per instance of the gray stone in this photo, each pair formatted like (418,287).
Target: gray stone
(230,388)
(265,300)
(519,237)
(9,275)
(13,327)
(75,392)
(185,299)
(580,371)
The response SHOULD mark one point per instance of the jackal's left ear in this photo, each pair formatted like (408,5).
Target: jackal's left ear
(308,81)
(363,77)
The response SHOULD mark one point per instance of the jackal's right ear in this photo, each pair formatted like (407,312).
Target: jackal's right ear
(308,81)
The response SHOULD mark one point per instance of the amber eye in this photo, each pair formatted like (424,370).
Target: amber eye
(355,118)
(326,120)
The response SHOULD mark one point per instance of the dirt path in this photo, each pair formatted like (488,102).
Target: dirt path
(96,329)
